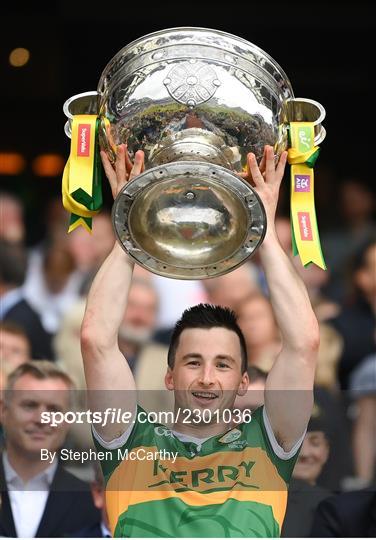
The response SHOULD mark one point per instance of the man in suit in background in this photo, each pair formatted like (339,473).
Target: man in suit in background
(13,306)
(38,497)
(15,347)
(101,529)
(304,492)
(348,515)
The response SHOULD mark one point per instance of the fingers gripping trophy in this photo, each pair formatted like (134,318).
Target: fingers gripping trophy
(198,110)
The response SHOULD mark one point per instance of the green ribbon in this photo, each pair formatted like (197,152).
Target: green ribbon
(95,201)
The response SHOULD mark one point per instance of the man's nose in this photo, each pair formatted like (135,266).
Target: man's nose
(37,414)
(207,376)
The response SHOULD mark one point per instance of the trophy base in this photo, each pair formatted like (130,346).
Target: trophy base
(189,220)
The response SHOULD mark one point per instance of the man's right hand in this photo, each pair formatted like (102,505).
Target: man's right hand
(123,170)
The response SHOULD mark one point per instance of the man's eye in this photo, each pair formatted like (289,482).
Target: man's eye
(315,442)
(222,365)
(194,363)
(54,408)
(29,405)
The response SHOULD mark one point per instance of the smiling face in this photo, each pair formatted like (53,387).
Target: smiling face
(141,313)
(257,322)
(22,411)
(14,349)
(207,370)
(312,457)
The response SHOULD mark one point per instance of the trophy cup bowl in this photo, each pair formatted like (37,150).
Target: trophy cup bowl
(196,101)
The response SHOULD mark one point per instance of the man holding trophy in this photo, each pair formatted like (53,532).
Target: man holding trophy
(195,174)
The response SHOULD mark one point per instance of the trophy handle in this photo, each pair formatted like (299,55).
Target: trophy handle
(307,110)
(85,103)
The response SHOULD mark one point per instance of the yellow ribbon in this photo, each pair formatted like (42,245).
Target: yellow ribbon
(306,238)
(79,172)
(69,203)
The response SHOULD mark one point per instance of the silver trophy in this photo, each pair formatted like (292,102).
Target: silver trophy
(196,101)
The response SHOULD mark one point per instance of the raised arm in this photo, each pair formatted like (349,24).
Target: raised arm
(109,379)
(288,392)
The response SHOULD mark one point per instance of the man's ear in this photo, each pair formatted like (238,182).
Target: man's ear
(3,407)
(243,386)
(169,379)
(327,451)
(360,278)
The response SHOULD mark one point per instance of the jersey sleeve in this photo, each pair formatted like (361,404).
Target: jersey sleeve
(284,461)
(136,434)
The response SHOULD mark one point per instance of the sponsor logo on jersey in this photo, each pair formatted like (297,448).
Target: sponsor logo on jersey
(204,478)
(238,445)
(230,436)
(163,432)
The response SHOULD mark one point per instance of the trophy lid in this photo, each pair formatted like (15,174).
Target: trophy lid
(168,44)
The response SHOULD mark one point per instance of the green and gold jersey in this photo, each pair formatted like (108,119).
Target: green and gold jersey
(231,485)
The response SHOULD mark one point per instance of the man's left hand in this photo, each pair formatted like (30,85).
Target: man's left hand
(266,179)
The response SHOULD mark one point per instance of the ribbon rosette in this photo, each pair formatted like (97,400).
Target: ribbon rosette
(302,157)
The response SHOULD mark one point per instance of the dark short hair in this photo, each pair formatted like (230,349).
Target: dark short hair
(41,370)
(207,316)
(13,328)
(13,263)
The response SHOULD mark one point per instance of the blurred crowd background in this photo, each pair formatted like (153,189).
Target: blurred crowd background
(45,273)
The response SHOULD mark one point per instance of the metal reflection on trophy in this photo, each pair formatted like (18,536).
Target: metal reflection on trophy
(196,101)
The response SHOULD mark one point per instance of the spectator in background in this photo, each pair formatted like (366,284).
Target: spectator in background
(314,453)
(15,348)
(305,493)
(356,321)
(363,392)
(257,322)
(52,283)
(90,250)
(13,305)
(139,321)
(12,227)
(254,397)
(56,221)
(349,515)
(329,399)
(355,224)
(315,279)
(101,529)
(339,465)
(331,347)
(135,337)
(256,319)
(39,498)
(175,296)
(60,266)
(230,289)
(147,358)
(283,230)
